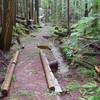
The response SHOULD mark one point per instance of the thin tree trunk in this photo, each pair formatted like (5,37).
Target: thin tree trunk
(27,10)
(37,11)
(86,9)
(68,18)
(32,9)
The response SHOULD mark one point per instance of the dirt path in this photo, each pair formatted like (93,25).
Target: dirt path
(30,83)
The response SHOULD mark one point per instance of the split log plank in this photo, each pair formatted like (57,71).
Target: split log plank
(8,77)
(46,70)
(49,73)
(43,46)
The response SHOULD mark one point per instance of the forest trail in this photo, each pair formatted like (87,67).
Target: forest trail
(30,82)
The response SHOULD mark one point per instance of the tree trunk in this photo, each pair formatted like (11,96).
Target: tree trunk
(27,10)
(14,11)
(32,9)
(17,7)
(86,9)
(68,18)
(95,13)
(37,11)
(7,29)
(0,12)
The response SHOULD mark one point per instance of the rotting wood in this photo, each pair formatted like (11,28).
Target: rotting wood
(8,77)
(46,70)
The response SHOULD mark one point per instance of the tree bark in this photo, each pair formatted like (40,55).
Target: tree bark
(14,11)
(1,12)
(86,9)
(68,18)
(37,11)
(6,36)
(27,10)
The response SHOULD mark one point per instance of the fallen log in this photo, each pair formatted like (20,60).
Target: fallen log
(19,17)
(8,77)
(56,84)
(23,22)
(46,70)
(43,46)
(52,81)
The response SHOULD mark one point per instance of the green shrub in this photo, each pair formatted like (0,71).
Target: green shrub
(20,29)
(94,98)
(72,86)
(88,72)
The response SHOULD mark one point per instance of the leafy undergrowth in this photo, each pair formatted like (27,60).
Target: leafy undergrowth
(19,28)
(88,91)
(60,31)
(89,73)
(82,58)
(77,48)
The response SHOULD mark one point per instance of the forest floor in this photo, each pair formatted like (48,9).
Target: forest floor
(29,81)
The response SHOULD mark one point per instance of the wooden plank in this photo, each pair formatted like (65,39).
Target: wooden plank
(42,46)
(47,71)
(55,82)
(8,77)
(52,81)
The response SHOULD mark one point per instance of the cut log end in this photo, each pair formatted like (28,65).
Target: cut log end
(43,47)
(97,69)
